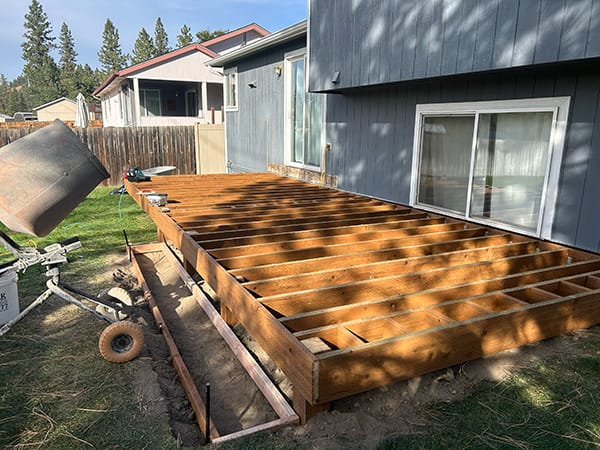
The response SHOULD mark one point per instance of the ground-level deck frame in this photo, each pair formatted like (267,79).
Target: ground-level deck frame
(347,293)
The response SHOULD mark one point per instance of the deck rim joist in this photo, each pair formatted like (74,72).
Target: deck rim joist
(403,282)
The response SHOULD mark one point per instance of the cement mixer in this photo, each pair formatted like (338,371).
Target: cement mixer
(44,176)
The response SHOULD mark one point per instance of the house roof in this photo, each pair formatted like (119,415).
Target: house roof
(58,100)
(154,62)
(273,39)
(251,27)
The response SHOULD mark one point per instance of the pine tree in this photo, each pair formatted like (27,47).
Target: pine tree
(16,100)
(185,37)
(143,48)
(67,63)
(88,80)
(110,56)
(40,69)
(4,93)
(207,35)
(161,40)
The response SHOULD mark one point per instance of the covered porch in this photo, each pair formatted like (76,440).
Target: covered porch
(176,102)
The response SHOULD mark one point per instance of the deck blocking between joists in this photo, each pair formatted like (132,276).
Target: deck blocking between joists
(347,293)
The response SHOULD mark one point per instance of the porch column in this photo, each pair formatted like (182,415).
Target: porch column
(136,102)
(204,101)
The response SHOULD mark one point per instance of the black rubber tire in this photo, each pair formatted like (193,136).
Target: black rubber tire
(121,341)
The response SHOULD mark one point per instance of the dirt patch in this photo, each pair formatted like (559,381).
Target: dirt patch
(236,402)
(360,421)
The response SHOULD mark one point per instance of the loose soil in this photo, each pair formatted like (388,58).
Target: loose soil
(236,402)
(360,421)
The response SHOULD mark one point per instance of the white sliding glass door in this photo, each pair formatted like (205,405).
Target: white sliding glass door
(511,166)
(490,165)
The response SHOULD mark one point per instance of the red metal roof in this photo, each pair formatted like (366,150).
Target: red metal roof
(153,62)
(251,27)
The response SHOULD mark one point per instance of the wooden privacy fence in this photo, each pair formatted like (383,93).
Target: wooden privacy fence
(121,148)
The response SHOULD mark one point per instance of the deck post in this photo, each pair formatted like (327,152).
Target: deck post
(228,315)
(306,410)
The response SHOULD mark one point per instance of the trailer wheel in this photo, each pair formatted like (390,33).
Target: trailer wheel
(121,341)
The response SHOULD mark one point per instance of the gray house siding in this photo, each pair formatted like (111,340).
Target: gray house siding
(255,133)
(371,132)
(398,40)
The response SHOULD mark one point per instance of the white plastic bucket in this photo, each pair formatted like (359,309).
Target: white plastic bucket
(9,296)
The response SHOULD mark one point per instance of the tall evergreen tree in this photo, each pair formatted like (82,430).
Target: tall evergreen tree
(4,93)
(16,100)
(184,37)
(207,35)
(67,63)
(40,69)
(161,40)
(88,79)
(110,56)
(143,48)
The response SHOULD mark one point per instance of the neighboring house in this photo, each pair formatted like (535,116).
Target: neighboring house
(483,111)
(62,108)
(235,39)
(176,88)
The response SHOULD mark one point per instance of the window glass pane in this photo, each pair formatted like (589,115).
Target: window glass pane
(297,110)
(510,167)
(445,162)
(232,97)
(313,130)
(191,104)
(150,102)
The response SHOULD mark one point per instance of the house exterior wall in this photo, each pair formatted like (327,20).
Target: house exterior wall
(111,110)
(189,67)
(372,131)
(255,132)
(398,40)
(64,110)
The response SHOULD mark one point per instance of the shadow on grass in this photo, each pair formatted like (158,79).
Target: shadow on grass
(549,405)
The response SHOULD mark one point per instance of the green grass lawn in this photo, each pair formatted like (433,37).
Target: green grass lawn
(549,405)
(56,391)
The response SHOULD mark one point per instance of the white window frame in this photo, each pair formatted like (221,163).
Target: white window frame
(143,108)
(227,82)
(289,58)
(559,106)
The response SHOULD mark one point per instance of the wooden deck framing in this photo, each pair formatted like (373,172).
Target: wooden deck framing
(347,293)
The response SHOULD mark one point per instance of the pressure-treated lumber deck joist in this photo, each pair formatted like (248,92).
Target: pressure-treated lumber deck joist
(347,293)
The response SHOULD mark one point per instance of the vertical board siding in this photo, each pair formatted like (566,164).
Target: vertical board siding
(122,148)
(372,130)
(255,132)
(374,42)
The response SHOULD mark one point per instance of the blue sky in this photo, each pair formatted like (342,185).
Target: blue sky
(86,20)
